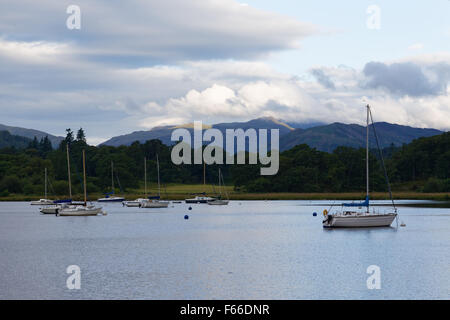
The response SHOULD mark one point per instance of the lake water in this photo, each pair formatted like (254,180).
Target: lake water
(246,250)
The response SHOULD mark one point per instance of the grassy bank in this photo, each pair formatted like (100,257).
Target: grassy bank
(181,192)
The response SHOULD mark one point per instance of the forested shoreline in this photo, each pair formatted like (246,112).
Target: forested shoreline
(420,166)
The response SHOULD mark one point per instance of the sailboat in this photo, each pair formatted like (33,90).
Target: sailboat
(109,197)
(353,219)
(220,201)
(58,204)
(45,200)
(83,210)
(201,197)
(156,202)
(138,202)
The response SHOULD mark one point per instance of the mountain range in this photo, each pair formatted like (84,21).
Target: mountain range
(324,137)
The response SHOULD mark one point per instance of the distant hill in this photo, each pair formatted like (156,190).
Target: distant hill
(164,133)
(328,137)
(31,133)
(9,140)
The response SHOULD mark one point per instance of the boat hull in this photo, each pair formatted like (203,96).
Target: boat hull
(80,212)
(196,201)
(50,210)
(359,221)
(41,202)
(157,204)
(115,199)
(218,202)
(132,204)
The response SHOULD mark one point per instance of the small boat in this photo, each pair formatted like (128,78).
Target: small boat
(359,219)
(41,202)
(81,210)
(110,197)
(54,208)
(155,201)
(200,199)
(45,200)
(219,201)
(77,203)
(135,203)
(138,202)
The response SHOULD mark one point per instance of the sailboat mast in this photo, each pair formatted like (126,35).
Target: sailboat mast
(112,176)
(157,165)
(145,176)
(68,171)
(84,177)
(45,187)
(220,187)
(367,155)
(204,177)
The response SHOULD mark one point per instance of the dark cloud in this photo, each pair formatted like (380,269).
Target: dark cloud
(323,79)
(149,33)
(407,78)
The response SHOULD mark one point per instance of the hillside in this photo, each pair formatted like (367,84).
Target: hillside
(164,133)
(322,137)
(328,137)
(31,133)
(9,140)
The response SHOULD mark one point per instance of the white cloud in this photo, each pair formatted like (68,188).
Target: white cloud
(416,46)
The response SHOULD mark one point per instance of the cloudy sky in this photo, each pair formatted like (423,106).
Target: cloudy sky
(138,64)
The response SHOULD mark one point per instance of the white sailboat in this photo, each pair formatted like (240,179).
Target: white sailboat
(110,197)
(58,204)
(138,202)
(156,202)
(83,210)
(364,218)
(45,200)
(202,198)
(220,201)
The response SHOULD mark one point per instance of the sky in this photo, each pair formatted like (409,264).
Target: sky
(139,64)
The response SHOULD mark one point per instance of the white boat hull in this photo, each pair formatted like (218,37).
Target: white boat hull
(80,211)
(132,203)
(218,202)
(50,209)
(155,204)
(41,202)
(358,220)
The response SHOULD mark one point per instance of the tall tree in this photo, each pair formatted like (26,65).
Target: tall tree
(81,136)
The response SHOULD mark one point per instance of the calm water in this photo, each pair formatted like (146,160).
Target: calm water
(246,250)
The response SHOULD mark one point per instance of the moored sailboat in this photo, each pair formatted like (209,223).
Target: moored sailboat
(138,202)
(58,204)
(83,210)
(354,219)
(219,201)
(155,201)
(201,197)
(110,197)
(44,200)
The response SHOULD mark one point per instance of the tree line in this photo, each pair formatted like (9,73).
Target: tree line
(422,165)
